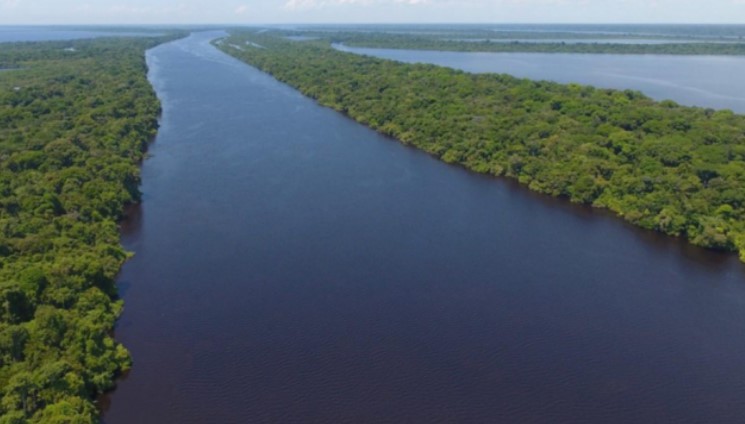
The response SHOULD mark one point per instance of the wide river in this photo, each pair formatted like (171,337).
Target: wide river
(706,81)
(294,266)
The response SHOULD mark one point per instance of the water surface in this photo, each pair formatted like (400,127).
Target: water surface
(294,266)
(591,40)
(36,33)
(707,81)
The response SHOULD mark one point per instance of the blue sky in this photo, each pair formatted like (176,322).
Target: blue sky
(369,11)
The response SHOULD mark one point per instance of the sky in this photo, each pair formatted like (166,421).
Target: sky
(23,12)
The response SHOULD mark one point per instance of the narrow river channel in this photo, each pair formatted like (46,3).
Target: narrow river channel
(294,266)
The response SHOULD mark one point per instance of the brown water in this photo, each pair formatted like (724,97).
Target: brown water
(294,266)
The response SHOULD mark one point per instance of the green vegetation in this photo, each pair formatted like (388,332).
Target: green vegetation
(678,170)
(424,42)
(75,120)
(670,32)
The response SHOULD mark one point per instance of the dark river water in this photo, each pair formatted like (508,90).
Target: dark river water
(707,81)
(293,266)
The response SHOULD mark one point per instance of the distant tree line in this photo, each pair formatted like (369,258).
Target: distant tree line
(431,42)
(75,121)
(711,32)
(674,169)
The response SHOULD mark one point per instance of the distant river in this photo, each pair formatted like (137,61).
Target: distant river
(588,40)
(707,81)
(293,266)
(39,33)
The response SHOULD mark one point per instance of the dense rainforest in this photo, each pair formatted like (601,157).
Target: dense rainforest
(678,170)
(75,120)
(438,42)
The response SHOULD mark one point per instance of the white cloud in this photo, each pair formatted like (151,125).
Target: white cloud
(370,11)
(126,9)
(317,4)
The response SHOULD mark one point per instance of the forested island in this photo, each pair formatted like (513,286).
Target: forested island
(383,40)
(75,121)
(674,169)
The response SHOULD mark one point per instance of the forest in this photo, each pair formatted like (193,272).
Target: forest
(75,120)
(384,40)
(665,167)
(669,32)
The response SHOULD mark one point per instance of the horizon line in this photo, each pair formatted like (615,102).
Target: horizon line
(364,23)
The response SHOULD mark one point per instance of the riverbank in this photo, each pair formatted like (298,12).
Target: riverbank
(76,125)
(652,163)
(295,266)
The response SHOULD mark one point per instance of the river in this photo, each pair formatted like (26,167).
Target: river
(294,266)
(28,33)
(706,81)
